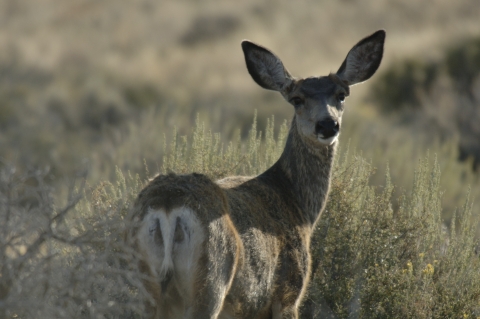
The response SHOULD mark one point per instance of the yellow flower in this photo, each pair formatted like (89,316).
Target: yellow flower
(429,270)
(409,267)
(421,255)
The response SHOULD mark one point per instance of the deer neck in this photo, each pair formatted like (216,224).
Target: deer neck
(308,168)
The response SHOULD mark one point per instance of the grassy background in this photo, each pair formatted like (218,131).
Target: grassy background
(99,85)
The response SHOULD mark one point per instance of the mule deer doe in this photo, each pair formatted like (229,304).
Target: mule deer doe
(239,247)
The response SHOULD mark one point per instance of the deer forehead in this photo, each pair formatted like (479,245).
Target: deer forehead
(319,88)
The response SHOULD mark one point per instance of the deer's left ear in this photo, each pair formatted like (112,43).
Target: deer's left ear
(363,59)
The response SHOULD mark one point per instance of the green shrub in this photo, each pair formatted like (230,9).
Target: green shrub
(208,155)
(463,65)
(403,85)
(370,260)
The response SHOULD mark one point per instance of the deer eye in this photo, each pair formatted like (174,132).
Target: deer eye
(296,101)
(341,97)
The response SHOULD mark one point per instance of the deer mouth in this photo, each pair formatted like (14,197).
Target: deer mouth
(329,140)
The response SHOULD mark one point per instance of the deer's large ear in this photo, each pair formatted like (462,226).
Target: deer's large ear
(363,59)
(265,67)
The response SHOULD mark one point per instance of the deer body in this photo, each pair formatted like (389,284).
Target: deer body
(239,247)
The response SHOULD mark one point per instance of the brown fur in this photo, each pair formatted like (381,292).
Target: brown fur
(252,257)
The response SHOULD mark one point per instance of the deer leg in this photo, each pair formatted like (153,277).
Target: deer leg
(276,310)
(279,312)
(215,272)
(208,303)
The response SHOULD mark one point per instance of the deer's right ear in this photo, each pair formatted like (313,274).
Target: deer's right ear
(265,67)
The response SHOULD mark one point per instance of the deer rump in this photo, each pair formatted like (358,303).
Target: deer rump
(219,249)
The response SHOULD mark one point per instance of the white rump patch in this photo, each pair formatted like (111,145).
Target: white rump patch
(171,242)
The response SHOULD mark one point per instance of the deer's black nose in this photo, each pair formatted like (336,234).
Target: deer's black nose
(327,128)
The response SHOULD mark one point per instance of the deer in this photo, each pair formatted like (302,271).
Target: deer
(239,247)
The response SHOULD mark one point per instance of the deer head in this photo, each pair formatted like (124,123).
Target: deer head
(319,102)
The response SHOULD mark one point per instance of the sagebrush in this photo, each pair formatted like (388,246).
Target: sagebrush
(371,259)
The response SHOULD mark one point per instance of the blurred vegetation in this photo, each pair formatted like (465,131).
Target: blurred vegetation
(440,97)
(371,258)
(64,261)
(110,87)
